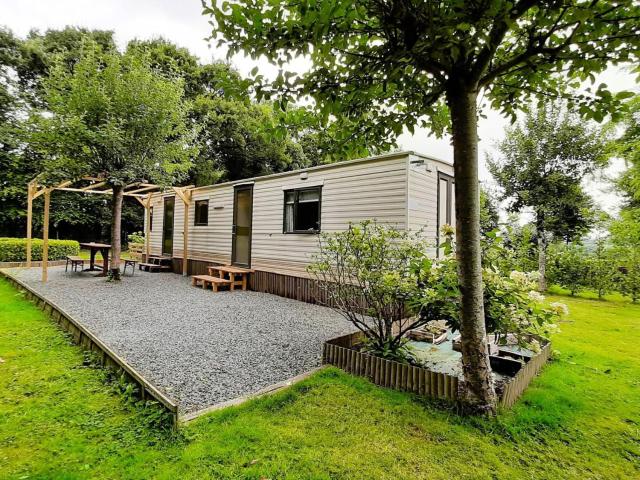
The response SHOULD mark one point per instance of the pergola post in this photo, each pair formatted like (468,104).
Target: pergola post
(45,234)
(147,233)
(185,195)
(29,221)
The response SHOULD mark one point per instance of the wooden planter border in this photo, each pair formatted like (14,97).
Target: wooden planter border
(387,373)
(51,263)
(516,387)
(89,342)
(419,380)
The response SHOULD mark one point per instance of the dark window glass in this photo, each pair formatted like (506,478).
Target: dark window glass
(302,210)
(150,219)
(202,212)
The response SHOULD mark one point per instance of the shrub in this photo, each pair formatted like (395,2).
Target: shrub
(15,249)
(367,273)
(136,237)
(511,303)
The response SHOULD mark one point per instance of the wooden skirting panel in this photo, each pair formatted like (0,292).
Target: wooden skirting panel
(297,288)
(89,342)
(515,388)
(387,373)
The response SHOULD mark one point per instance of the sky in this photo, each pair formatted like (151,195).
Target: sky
(182,22)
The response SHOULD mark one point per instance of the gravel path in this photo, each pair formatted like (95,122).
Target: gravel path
(198,347)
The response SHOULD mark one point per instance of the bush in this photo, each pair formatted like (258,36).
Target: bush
(367,273)
(15,249)
(136,237)
(512,306)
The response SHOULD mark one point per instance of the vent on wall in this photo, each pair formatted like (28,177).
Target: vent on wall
(420,164)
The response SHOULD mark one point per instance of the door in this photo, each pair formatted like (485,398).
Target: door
(167,226)
(241,229)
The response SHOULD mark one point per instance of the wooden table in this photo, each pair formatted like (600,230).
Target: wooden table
(233,272)
(103,248)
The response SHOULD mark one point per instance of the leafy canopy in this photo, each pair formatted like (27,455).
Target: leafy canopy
(380,66)
(113,115)
(542,161)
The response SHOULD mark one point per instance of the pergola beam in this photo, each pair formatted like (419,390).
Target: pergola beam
(93,186)
(143,189)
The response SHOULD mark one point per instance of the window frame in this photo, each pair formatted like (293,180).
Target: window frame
(195,213)
(450,181)
(296,192)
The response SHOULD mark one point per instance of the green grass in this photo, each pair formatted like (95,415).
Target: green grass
(86,254)
(580,419)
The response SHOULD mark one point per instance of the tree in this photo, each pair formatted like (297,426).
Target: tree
(569,266)
(625,238)
(113,117)
(542,162)
(25,64)
(601,269)
(489,216)
(379,67)
(628,147)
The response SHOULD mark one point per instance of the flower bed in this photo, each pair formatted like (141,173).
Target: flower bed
(341,353)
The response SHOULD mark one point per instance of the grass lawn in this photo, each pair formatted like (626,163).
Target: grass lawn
(580,419)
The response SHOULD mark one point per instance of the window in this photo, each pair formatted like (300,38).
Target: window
(446,202)
(302,210)
(201,212)
(150,219)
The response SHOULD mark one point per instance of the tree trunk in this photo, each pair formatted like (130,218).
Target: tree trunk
(542,261)
(480,396)
(116,216)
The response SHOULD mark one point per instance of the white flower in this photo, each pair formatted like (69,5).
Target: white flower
(560,309)
(517,276)
(535,296)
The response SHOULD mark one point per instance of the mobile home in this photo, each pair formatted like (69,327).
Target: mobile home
(271,223)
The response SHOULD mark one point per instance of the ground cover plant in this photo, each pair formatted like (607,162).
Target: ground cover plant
(580,419)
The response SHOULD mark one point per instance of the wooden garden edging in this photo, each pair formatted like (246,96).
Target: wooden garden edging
(387,373)
(89,342)
(51,263)
(419,380)
(522,379)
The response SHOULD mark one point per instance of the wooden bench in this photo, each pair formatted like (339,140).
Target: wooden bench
(233,273)
(215,282)
(75,262)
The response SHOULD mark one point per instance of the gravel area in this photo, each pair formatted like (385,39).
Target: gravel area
(199,347)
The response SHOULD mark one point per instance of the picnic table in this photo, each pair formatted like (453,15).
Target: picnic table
(94,248)
(233,272)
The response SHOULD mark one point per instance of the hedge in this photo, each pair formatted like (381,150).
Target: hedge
(15,249)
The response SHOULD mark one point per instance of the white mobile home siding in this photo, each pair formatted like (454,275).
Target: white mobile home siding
(422,205)
(379,188)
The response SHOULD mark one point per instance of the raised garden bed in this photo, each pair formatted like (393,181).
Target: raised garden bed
(515,373)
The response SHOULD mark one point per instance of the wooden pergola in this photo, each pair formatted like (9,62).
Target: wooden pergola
(141,191)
